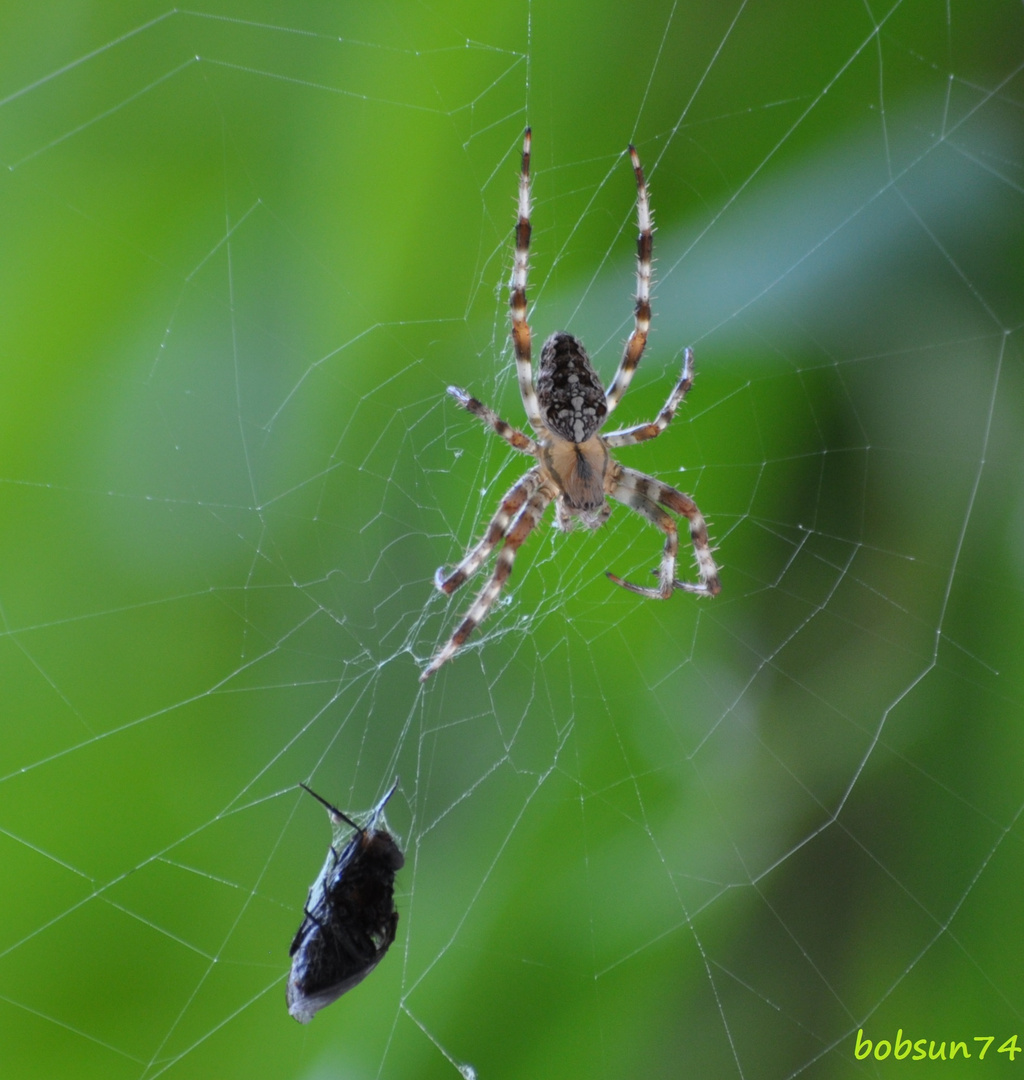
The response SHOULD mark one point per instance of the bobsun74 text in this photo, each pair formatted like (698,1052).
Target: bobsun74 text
(904,1048)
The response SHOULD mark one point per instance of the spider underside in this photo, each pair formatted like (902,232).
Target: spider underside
(566,409)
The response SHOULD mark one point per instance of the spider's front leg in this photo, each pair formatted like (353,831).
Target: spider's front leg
(647,496)
(511,507)
(519,530)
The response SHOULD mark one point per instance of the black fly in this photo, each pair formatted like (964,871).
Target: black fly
(350,913)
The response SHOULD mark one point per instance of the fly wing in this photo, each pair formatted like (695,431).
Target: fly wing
(304,1006)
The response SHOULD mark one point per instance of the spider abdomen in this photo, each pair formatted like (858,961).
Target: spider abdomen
(569,391)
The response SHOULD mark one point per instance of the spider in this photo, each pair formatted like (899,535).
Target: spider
(566,409)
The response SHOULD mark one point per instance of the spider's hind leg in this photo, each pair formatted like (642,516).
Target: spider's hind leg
(521,336)
(642,310)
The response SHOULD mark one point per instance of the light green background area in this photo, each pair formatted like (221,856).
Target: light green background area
(243,251)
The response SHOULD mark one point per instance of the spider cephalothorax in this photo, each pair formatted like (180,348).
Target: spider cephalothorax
(574,467)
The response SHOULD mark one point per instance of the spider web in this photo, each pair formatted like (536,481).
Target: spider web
(246,248)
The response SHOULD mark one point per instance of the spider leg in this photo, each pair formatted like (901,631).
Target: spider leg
(521,528)
(643,432)
(644,494)
(516,439)
(510,508)
(642,312)
(521,340)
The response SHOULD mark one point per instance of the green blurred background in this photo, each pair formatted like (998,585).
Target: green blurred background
(245,248)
